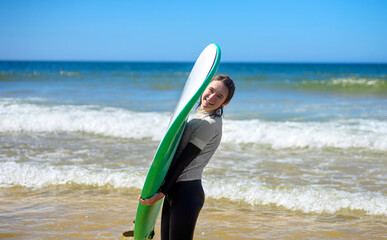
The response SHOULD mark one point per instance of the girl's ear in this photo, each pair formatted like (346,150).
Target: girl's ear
(224,104)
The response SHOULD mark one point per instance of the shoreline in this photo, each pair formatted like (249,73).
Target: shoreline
(60,212)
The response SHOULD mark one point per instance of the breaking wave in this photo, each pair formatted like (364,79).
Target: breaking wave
(16,116)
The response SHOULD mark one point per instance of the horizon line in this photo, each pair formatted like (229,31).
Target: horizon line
(180,61)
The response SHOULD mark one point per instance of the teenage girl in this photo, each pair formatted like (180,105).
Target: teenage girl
(182,184)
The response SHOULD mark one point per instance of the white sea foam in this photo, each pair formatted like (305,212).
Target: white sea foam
(16,116)
(64,73)
(116,122)
(369,134)
(348,82)
(345,82)
(38,176)
(303,199)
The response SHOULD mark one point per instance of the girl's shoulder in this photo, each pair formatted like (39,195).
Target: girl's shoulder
(205,121)
(207,117)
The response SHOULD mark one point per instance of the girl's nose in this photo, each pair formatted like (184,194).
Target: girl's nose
(212,96)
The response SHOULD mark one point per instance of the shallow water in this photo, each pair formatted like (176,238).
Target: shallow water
(73,212)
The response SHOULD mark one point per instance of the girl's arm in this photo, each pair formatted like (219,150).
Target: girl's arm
(189,153)
(178,165)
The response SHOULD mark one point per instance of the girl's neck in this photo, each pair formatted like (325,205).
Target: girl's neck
(201,110)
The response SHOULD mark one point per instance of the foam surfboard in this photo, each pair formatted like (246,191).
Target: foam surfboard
(201,75)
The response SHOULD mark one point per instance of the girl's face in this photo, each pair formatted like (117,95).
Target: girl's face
(214,96)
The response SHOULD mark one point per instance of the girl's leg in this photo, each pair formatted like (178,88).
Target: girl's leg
(187,201)
(165,220)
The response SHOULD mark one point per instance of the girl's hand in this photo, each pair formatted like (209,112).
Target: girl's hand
(151,200)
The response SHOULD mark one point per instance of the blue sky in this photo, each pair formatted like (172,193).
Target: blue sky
(246,31)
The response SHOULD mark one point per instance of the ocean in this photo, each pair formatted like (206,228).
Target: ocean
(303,154)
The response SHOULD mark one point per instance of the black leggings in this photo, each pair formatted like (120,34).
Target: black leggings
(181,210)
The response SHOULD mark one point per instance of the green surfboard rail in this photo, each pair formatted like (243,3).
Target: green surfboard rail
(146,216)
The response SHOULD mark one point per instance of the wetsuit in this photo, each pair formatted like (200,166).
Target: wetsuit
(182,185)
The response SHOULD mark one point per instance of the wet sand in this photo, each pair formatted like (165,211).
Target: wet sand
(73,212)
